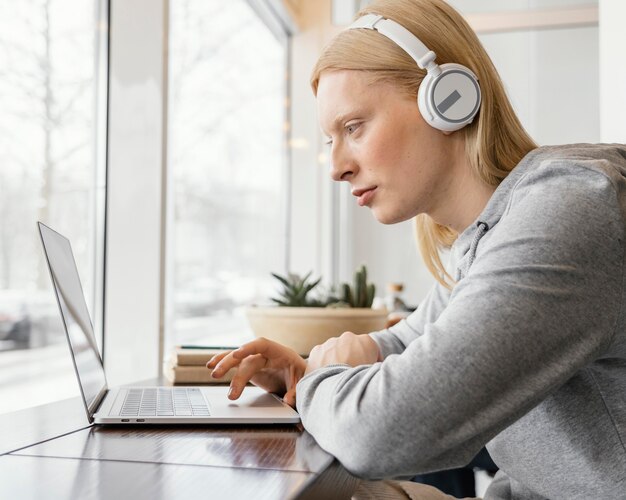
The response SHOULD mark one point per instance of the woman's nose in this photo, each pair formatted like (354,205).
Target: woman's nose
(342,166)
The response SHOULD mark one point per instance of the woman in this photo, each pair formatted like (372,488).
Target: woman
(523,346)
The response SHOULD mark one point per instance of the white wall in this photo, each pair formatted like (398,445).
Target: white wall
(612,71)
(553,92)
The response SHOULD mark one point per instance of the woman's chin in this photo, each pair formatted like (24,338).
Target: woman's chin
(386,217)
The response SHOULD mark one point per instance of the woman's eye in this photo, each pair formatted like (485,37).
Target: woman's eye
(351,128)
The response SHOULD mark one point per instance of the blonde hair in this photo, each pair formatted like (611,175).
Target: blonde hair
(495,141)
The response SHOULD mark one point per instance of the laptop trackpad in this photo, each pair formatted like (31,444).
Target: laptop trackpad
(253,401)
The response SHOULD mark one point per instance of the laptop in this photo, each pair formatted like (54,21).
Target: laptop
(141,405)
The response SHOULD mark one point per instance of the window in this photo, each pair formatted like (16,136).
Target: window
(226,160)
(52,168)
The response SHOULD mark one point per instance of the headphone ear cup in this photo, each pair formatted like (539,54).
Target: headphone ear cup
(450,100)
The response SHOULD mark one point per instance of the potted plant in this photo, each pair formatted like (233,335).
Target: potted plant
(301,321)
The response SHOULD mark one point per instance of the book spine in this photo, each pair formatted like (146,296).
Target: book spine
(195,375)
(193,358)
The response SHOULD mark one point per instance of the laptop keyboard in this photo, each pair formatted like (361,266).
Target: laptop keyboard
(164,402)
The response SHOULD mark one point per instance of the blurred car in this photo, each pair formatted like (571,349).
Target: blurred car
(28,320)
(15,323)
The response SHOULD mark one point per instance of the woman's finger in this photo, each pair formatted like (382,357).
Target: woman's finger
(217,358)
(225,364)
(248,368)
(290,397)
(262,346)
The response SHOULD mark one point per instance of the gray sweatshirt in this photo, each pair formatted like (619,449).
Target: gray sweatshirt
(526,354)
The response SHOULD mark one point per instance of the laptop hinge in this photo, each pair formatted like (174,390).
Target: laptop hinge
(97,403)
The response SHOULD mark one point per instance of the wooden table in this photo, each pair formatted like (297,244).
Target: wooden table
(51,452)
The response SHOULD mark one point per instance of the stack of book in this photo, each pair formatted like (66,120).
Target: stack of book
(187,365)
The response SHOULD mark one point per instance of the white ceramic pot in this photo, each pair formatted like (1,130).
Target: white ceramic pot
(302,328)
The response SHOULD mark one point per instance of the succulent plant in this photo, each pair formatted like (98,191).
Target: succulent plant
(362,295)
(296,289)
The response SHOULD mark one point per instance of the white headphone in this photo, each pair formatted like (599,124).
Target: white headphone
(449,96)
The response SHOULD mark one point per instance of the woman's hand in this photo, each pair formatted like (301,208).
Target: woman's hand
(266,364)
(349,349)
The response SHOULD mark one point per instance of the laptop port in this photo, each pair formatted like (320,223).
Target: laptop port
(141,420)
(126,420)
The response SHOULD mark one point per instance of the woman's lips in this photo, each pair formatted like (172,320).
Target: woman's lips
(364,196)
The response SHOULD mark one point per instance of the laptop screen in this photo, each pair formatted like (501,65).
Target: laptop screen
(76,320)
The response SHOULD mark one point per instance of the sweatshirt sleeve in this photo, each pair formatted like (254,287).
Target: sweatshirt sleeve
(395,340)
(540,301)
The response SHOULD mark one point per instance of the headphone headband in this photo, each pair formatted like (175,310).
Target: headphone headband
(400,36)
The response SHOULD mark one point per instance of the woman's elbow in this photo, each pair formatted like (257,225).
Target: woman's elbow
(374,458)
(366,458)
(363,467)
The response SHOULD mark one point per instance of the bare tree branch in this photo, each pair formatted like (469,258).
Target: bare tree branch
(71,151)
(82,87)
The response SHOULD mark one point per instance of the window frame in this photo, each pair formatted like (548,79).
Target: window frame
(134,245)
(136,309)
